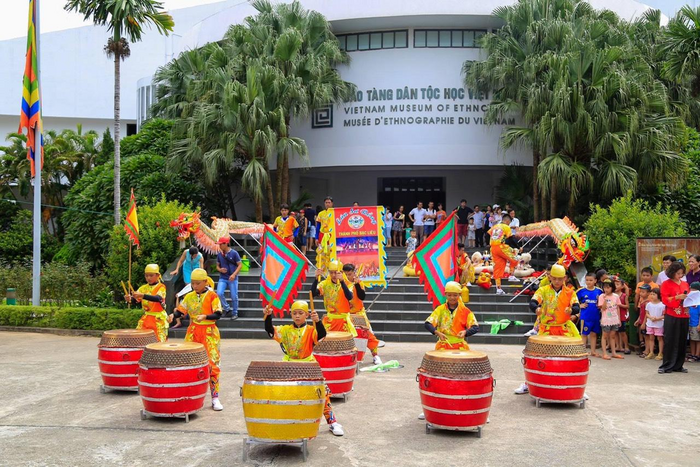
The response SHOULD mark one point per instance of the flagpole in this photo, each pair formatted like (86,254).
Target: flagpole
(130,245)
(36,261)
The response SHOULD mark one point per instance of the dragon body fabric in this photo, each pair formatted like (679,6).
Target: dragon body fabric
(206,237)
(572,244)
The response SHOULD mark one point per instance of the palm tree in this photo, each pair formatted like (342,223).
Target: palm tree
(125,19)
(681,48)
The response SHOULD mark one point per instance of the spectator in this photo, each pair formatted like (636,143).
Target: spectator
(388,225)
(228,264)
(673,291)
(355,204)
(310,215)
(440,216)
(693,274)
(412,242)
(694,312)
(623,292)
(417,216)
(646,275)
(479,218)
(600,276)
(655,325)
(643,295)
(497,214)
(515,222)
(397,227)
(590,314)
(471,233)
(429,222)
(608,304)
(463,213)
(488,223)
(666,262)
(317,223)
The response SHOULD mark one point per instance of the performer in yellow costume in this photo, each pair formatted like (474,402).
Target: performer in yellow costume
(284,224)
(323,251)
(452,321)
(151,296)
(357,306)
(554,304)
(336,299)
(503,249)
(465,267)
(204,308)
(298,340)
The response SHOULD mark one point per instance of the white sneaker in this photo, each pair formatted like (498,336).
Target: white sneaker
(585,396)
(337,429)
(522,389)
(377,360)
(381,344)
(469,284)
(216,405)
(421,416)
(513,279)
(531,332)
(500,292)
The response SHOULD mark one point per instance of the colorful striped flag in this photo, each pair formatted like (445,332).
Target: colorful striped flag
(30,117)
(435,260)
(131,223)
(283,272)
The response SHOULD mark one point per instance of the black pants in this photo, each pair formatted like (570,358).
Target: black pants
(675,339)
(480,237)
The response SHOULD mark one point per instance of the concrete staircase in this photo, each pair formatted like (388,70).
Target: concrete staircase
(399,313)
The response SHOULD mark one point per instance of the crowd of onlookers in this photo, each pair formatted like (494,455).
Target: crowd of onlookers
(473,223)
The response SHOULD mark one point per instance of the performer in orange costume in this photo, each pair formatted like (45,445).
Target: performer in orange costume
(204,307)
(298,341)
(336,299)
(502,253)
(357,306)
(285,224)
(452,321)
(151,296)
(554,304)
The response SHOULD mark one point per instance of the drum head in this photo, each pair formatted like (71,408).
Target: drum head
(454,355)
(170,355)
(555,340)
(175,347)
(555,346)
(338,336)
(128,333)
(457,364)
(284,371)
(128,338)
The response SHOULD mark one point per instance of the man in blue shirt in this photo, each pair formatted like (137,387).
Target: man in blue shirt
(229,264)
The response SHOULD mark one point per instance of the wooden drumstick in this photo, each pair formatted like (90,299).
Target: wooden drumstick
(311,300)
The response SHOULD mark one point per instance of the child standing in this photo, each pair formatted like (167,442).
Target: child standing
(411,243)
(694,311)
(643,295)
(655,310)
(647,274)
(471,233)
(285,224)
(590,314)
(622,339)
(609,304)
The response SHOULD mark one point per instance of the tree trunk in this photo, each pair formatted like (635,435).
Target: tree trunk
(270,196)
(278,182)
(572,207)
(553,201)
(258,211)
(535,186)
(286,198)
(231,204)
(117,123)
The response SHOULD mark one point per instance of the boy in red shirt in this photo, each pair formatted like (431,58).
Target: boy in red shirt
(642,300)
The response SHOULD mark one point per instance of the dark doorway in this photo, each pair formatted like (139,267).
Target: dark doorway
(407,191)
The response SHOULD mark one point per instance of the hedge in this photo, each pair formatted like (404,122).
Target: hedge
(98,319)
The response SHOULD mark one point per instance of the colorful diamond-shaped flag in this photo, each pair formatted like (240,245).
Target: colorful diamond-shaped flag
(435,260)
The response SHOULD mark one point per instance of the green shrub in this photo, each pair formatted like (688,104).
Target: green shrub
(613,232)
(159,244)
(99,319)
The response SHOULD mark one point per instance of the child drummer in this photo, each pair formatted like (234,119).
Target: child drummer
(297,341)
(357,306)
(151,296)
(336,299)
(452,322)
(204,308)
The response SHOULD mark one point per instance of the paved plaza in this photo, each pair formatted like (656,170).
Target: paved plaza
(54,415)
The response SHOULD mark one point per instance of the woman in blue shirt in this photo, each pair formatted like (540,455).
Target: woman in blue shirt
(189,261)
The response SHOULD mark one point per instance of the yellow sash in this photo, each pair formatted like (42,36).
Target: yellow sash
(348,320)
(310,358)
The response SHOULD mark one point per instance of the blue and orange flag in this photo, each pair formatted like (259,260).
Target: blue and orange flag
(131,223)
(283,272)
(30,118)
(435,260)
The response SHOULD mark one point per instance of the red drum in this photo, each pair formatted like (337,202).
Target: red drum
(337,356)
(556,369)
(173,379)
(118,357)
(456,388)
(362,328)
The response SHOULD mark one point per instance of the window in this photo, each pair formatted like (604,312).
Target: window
(373,40)
(444,38)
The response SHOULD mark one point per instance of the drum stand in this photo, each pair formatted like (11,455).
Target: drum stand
(104,389)
(185,416)
(475,429)
(538,402)
(247,442)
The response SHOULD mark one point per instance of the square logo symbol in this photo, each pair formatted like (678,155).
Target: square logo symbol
(322,118)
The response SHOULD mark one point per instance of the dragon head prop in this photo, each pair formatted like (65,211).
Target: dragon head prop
(186,224)
(574,248)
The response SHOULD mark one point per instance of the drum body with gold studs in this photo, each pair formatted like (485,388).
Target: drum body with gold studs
(556,368)
(118,357)
(337,356)
(283,401)
(456,388)
(362,327)
(173,378)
